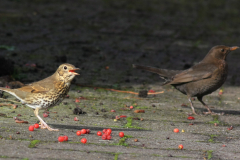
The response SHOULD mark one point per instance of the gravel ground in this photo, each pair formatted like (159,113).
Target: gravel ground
(104,38)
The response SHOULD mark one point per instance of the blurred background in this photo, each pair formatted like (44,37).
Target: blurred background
(105,37)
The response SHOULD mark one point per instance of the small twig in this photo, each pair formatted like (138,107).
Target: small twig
(7,104)
(9,100)
(109,89)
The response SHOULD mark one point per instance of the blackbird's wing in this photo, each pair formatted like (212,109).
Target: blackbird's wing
(197,72)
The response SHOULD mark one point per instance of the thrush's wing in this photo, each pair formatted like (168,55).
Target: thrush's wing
(197,72)
(42,86)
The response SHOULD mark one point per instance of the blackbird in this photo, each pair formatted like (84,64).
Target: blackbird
(201,79)
(46,93)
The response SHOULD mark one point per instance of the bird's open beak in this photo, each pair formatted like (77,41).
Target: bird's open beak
(73,71)
(233,48)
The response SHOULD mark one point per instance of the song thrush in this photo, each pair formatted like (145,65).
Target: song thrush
(47,92)
(201,79)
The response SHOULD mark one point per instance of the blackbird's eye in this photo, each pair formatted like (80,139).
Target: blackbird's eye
(222,50)
(65,67)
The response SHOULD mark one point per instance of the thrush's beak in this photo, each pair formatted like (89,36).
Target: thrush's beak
(233,48)
(73,71)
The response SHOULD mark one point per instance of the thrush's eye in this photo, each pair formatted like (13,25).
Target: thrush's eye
(65,67)
(222,50)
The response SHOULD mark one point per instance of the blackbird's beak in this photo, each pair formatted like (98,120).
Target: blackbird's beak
(73,71)
(233,48)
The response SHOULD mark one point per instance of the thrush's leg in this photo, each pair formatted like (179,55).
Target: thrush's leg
(43,124)
(209,111)
(193,110)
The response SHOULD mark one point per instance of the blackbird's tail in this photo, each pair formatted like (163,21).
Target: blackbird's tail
(164,73)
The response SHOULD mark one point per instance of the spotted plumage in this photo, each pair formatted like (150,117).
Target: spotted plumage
(47,92)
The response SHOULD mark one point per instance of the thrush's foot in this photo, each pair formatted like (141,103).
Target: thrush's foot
(45,126)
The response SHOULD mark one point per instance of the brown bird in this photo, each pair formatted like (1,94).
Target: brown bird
(47,92)
(201,79)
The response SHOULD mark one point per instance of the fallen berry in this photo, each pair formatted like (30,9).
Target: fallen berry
(65,138)
(151,91)
(220,92)
(77,100)
(117,117)
(176,130)
(123,116)
(31,128)
(36,125)
(104,130)
(131,107)
(190,118)
(223,145)
(88,131)
(180,146)
(104,136)
(112,110)
(230,128)
(109,131)
(60,139)
(136,140)
(83,131)
(45,115)
(121,134)
(109,137)
(78,133)
(75,119)
(183,130)
(84,140)
(99,133)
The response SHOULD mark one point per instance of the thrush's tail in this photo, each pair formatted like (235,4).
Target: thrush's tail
(11,91)
(165,73)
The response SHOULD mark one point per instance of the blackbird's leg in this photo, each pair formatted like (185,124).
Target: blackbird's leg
(193,110)
(43,124)
(209,111)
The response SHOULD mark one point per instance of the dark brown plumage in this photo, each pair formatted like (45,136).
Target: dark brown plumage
(47,92)
(201,79)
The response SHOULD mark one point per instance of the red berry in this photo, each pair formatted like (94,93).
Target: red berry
(121,134)
(36,125)
(104,130)
(180,146)
(78,133)
(99,133)
(45,115)
(104,136)
(151,91)
(60,139)
(31,128)
(190,118)
(112,110)
(75,119)
(131,107)
(176,130)
(109,130)
(123,116)
(88,131)
(83,131)
(77,100)
(84,140)
(65,138)
(109,137)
